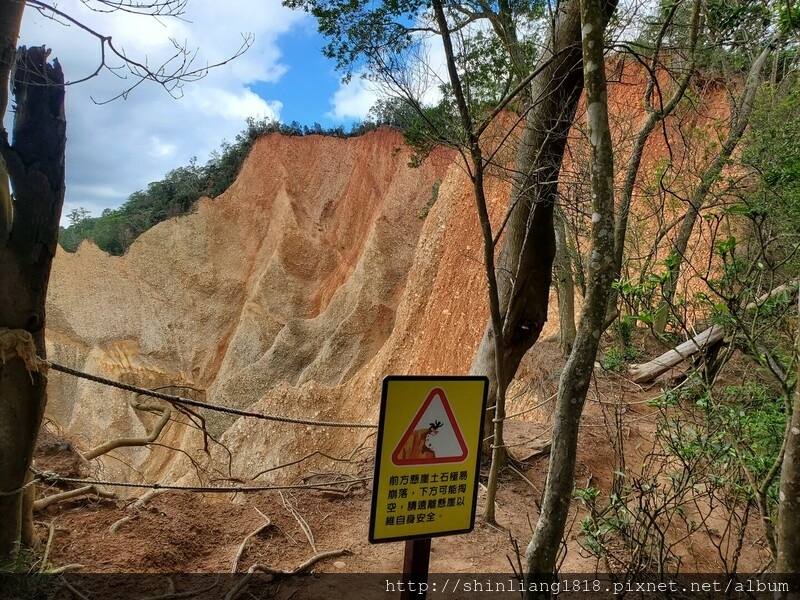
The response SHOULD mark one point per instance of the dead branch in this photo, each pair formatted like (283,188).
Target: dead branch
(82,491)
(301,568)
(300,520)
(240,551)
(648,371)
(347,482)
(643,373)
(171,74)
(107,447)
(171,594)
(138,504)
(347,459)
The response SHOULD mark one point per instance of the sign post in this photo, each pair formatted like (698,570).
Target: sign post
(416,558)
(427,463)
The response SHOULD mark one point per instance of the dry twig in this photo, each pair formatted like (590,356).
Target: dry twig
(240,551)
(301,568)
(301,521)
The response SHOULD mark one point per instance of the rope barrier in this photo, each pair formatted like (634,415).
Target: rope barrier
(33,481)
(196,403)
(55,478)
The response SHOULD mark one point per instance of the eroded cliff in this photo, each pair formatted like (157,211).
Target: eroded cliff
(327,265)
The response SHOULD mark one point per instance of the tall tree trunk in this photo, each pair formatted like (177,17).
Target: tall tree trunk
(35,163)
(739,122)
(655,114)
(574,383)
(565,287)
(524,266)
(788,542)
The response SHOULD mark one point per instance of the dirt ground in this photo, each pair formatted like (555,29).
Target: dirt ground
(182,532)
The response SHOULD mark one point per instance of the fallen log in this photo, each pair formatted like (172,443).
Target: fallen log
(646,372)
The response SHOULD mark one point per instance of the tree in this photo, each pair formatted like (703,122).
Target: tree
(381,39)
(788,543)
(574,383)
(34,163)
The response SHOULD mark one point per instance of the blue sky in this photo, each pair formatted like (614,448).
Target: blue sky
(116,149)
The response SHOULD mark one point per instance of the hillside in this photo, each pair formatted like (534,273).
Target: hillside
(295,292)
(327,265)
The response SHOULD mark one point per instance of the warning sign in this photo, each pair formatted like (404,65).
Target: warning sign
(428,456)
(439,440)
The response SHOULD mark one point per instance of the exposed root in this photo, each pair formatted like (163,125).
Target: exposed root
(525,479)
(301,568)
(240,551)
(301,521)
(138,504)
(82,491)
(67,569)
(171,594)
(73,589)
(107,447)
(50,535)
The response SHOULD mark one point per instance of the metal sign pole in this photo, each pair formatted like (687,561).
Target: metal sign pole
(415,569)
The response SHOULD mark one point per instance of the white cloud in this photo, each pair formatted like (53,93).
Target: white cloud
(353,100)
(237,106)
(162,149)
(118,148)
(426,72)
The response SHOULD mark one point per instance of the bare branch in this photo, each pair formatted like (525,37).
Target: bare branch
(175,71)
(240,551)
(82,491)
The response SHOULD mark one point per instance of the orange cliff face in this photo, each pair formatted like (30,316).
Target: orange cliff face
(291,293)
(327,265)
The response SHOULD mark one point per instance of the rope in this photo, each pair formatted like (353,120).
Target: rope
(196,403)
(54,478)
(19,343)
(33,481)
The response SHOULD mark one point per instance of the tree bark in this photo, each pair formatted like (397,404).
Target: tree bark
(565,287)
(788,540)
(574,383)
(738,126)
(476,167)
(524,266)
(35,163)
(10,21)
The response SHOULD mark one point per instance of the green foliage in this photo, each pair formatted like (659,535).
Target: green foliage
(432,200)
(495,47)
(713,447)
(116,229)
(423,127)
(361,33)
(733,32)
(736,435)
(772,151)
(613,360)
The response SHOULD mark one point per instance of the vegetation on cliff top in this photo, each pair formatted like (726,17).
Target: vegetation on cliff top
(176,194)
